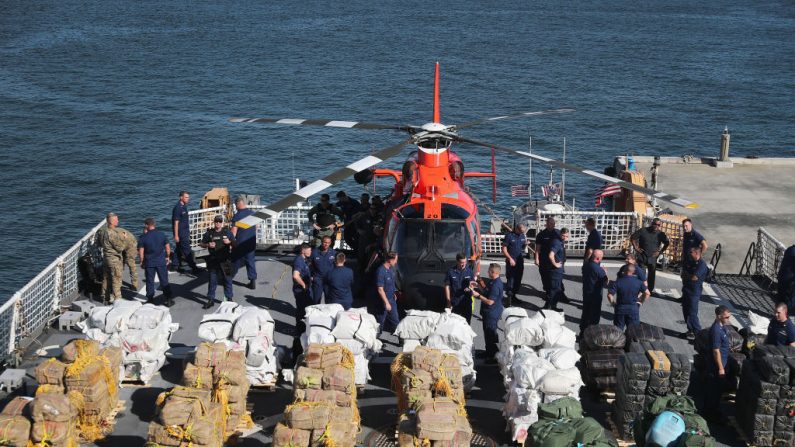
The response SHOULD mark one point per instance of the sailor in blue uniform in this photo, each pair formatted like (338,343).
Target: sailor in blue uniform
(382,303)
(181,226)
(155,253)
(786,278)
(323,259)
(490,310)
(302,292)
(245,250)
(717,364)
(627,294)
(594,280)
(457,290)
(691,238)
(639,272)
(339,283)
(694,271)
(513,249)
(781,331)
(554,267)
(594,241)
(543,240)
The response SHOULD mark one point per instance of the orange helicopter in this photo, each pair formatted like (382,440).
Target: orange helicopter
(431,216)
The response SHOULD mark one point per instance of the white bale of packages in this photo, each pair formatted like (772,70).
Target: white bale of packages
(410,345)
(324,309)
(143,346)
(113,318)
(318,328)
(253,322)
(217,326)
(565,382)
(528,371)
(361,370)
(267,371)
(417,324)
(355,346)
(524,332)
(354,324)
(562,358)
(504,358)
(149,318)
(759,324)
(558,336)
(452,332)
(520,400)
(257,349)
(511,314)
(551,316)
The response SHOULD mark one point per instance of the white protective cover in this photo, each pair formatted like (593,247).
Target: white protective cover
(410,345)
(355,346)
(324,309)
(257,349)
(523,332)
(143,345)
(318,329)
(113,318)
(253,322)
(759,323)
(217,326)
(553,317)
(510,315)
(565,382)
(556,335)
(529,370)
(361,370)
(562,358)
(150,318)
(354,324)
(417,324)
(452,332)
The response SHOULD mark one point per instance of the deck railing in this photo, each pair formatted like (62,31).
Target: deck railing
(616,228)
(769,252)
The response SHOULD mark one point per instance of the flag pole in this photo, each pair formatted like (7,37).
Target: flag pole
(530,167)
(563,175)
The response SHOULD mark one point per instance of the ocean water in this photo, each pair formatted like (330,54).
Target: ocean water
(118,105)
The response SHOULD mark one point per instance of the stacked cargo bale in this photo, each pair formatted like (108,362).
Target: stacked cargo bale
(696,429)
(430,391)
(445,331)
(324,411)
(539,364)
(601,346)
(767,393)
(561,424)
(637,333)
(54,420)
(187,416)
(631,380)
(15,423)
(356,329)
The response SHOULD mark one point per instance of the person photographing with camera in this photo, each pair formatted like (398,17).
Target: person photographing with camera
(219,241)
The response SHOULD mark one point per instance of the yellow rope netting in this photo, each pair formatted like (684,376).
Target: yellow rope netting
(49,389)
(183,434)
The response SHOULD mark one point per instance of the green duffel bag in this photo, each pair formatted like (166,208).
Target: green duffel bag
(602,443)
(696,439)
(680,404)
(566,407)
(587,430)
(551,433)
(695,423)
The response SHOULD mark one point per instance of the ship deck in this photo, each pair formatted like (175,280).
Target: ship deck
(378,404)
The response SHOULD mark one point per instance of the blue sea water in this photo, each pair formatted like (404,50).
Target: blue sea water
(117,105)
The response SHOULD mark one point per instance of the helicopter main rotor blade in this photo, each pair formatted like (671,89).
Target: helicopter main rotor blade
(510,117)
(622,183)
(324,123)
(315,187)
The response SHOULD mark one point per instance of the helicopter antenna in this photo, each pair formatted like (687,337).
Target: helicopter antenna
(436,114)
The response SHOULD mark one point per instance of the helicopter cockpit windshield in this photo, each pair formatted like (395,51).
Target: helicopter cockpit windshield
(418,240)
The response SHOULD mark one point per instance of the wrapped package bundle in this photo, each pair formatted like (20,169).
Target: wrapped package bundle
(18,406)
(76,348)
(50,372)
(14,430)
(209,355)
(417,324)
(603,336)
(218,325)
(197,377)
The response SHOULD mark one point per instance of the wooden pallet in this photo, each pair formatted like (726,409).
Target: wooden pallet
(611,424)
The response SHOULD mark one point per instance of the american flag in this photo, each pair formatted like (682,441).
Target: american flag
(609,189)
(520,191)
(552,190)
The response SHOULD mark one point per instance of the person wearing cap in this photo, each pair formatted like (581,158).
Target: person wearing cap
(246,238)
(113,241)
(220,242)
(321,216)
(181,227)
(155,253)
(594,241)
(649,242)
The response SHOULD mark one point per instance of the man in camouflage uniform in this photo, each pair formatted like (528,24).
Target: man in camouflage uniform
(113,241)
(130,251)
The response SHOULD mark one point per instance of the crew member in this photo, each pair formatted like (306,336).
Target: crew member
(339,283)
(717,365)
(543,240)
(246,238)
(594,241)
(321,216)
(129,253)
(694,271)
(155,254)
(627,293)
(383,305)
(513,249)
(691,238)
(781,331)
(649,242)
(349,208)
(181,227)
(302,292)
(219,241)
(490,310)
(786,278)
(555,268)
(594,280)
(113,243)
(639,272)
(323,259)
(456,287)
(364,201)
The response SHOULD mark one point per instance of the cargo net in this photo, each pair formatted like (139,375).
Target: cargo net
(88,377)
(325,411)
(431,401)
(210,407)
(616,229)
(769,252)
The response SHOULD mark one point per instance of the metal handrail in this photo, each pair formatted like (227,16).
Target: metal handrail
(714,261)
(750,259)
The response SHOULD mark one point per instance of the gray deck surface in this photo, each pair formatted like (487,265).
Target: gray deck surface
(378,403)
